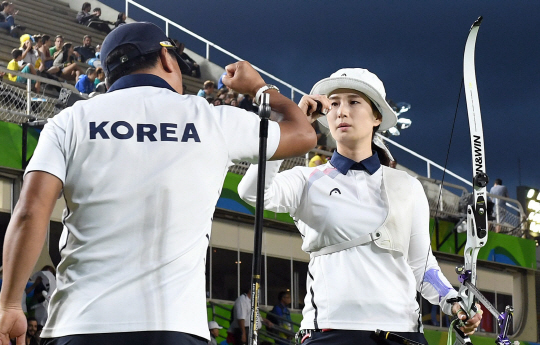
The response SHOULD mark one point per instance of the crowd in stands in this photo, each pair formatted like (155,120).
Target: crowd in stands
(63,61)
(224,96)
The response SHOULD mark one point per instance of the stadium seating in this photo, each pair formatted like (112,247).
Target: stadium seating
(53,17)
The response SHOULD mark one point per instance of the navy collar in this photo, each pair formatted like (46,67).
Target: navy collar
(344,164)
(134,80)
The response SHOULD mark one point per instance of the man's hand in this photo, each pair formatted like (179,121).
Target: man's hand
(471,324)
(308,105)
(12,325)
(243,78)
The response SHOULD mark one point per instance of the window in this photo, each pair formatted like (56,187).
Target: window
(224,274)
(299,284)
(278,278)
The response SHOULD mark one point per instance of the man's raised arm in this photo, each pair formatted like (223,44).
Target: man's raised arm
(297,135)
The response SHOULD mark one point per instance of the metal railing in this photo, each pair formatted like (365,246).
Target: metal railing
(208,44)
(429,162)
(19,104)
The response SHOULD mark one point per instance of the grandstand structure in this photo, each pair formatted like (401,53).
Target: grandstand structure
(507,267)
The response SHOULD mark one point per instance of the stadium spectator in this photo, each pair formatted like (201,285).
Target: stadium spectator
(229,96)
(30,55)
(101,87)
(58,43)
(86,51)
(208,89)
(38,333)
(500,205)
(214,328)
(100,76)
(241,316)
(194,66)
(44,283)
(84,16)
(92,20)
(217,101)
(120,20)
(234,103)
(31,330)
(319,158)
(7,20)
(100,24)
(247,103)
(25,68)
(284,320)
(220,81)
(46,57)
(85,84)
(64,64)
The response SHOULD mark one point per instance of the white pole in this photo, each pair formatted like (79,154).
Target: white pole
(28,96)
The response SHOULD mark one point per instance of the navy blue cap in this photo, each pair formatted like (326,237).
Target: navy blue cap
(146,37)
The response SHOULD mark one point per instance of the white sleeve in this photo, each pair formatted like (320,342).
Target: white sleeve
(241,131)
(430,281)
(49,155)
(282,192)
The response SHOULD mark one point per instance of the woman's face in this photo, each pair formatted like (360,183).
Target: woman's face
(351,119)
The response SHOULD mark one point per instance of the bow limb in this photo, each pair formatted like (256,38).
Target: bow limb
(477,213)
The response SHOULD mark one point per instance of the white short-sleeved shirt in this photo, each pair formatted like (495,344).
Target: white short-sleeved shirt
(364,287)
(242,311)
(142,169)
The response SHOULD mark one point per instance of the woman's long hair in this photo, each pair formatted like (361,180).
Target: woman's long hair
(65,51)
(383,156)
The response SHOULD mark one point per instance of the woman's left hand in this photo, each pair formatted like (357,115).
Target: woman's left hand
(471,324)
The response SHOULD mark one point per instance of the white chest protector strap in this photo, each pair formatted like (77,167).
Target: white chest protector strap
(347,244)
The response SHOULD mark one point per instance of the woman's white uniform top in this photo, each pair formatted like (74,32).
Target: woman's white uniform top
(364,287)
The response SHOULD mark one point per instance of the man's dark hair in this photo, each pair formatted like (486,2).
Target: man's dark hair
(86,5)
(30,318)
(498,181)
(281,294)
(87,36)
(59,36)
(45,38)
(16,53)
(132,65)
(97,9)
(90,70)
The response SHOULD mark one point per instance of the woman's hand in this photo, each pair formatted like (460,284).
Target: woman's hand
(308,104)
(472,324)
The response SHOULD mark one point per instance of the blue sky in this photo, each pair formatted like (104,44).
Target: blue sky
(415,47)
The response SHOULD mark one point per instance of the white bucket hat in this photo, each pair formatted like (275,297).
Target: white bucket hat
(213,325)
(362,80)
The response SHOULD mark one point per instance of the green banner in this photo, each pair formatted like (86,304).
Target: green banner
(11,144)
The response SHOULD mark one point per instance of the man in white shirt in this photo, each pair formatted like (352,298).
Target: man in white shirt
(141,168)
(241,318)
